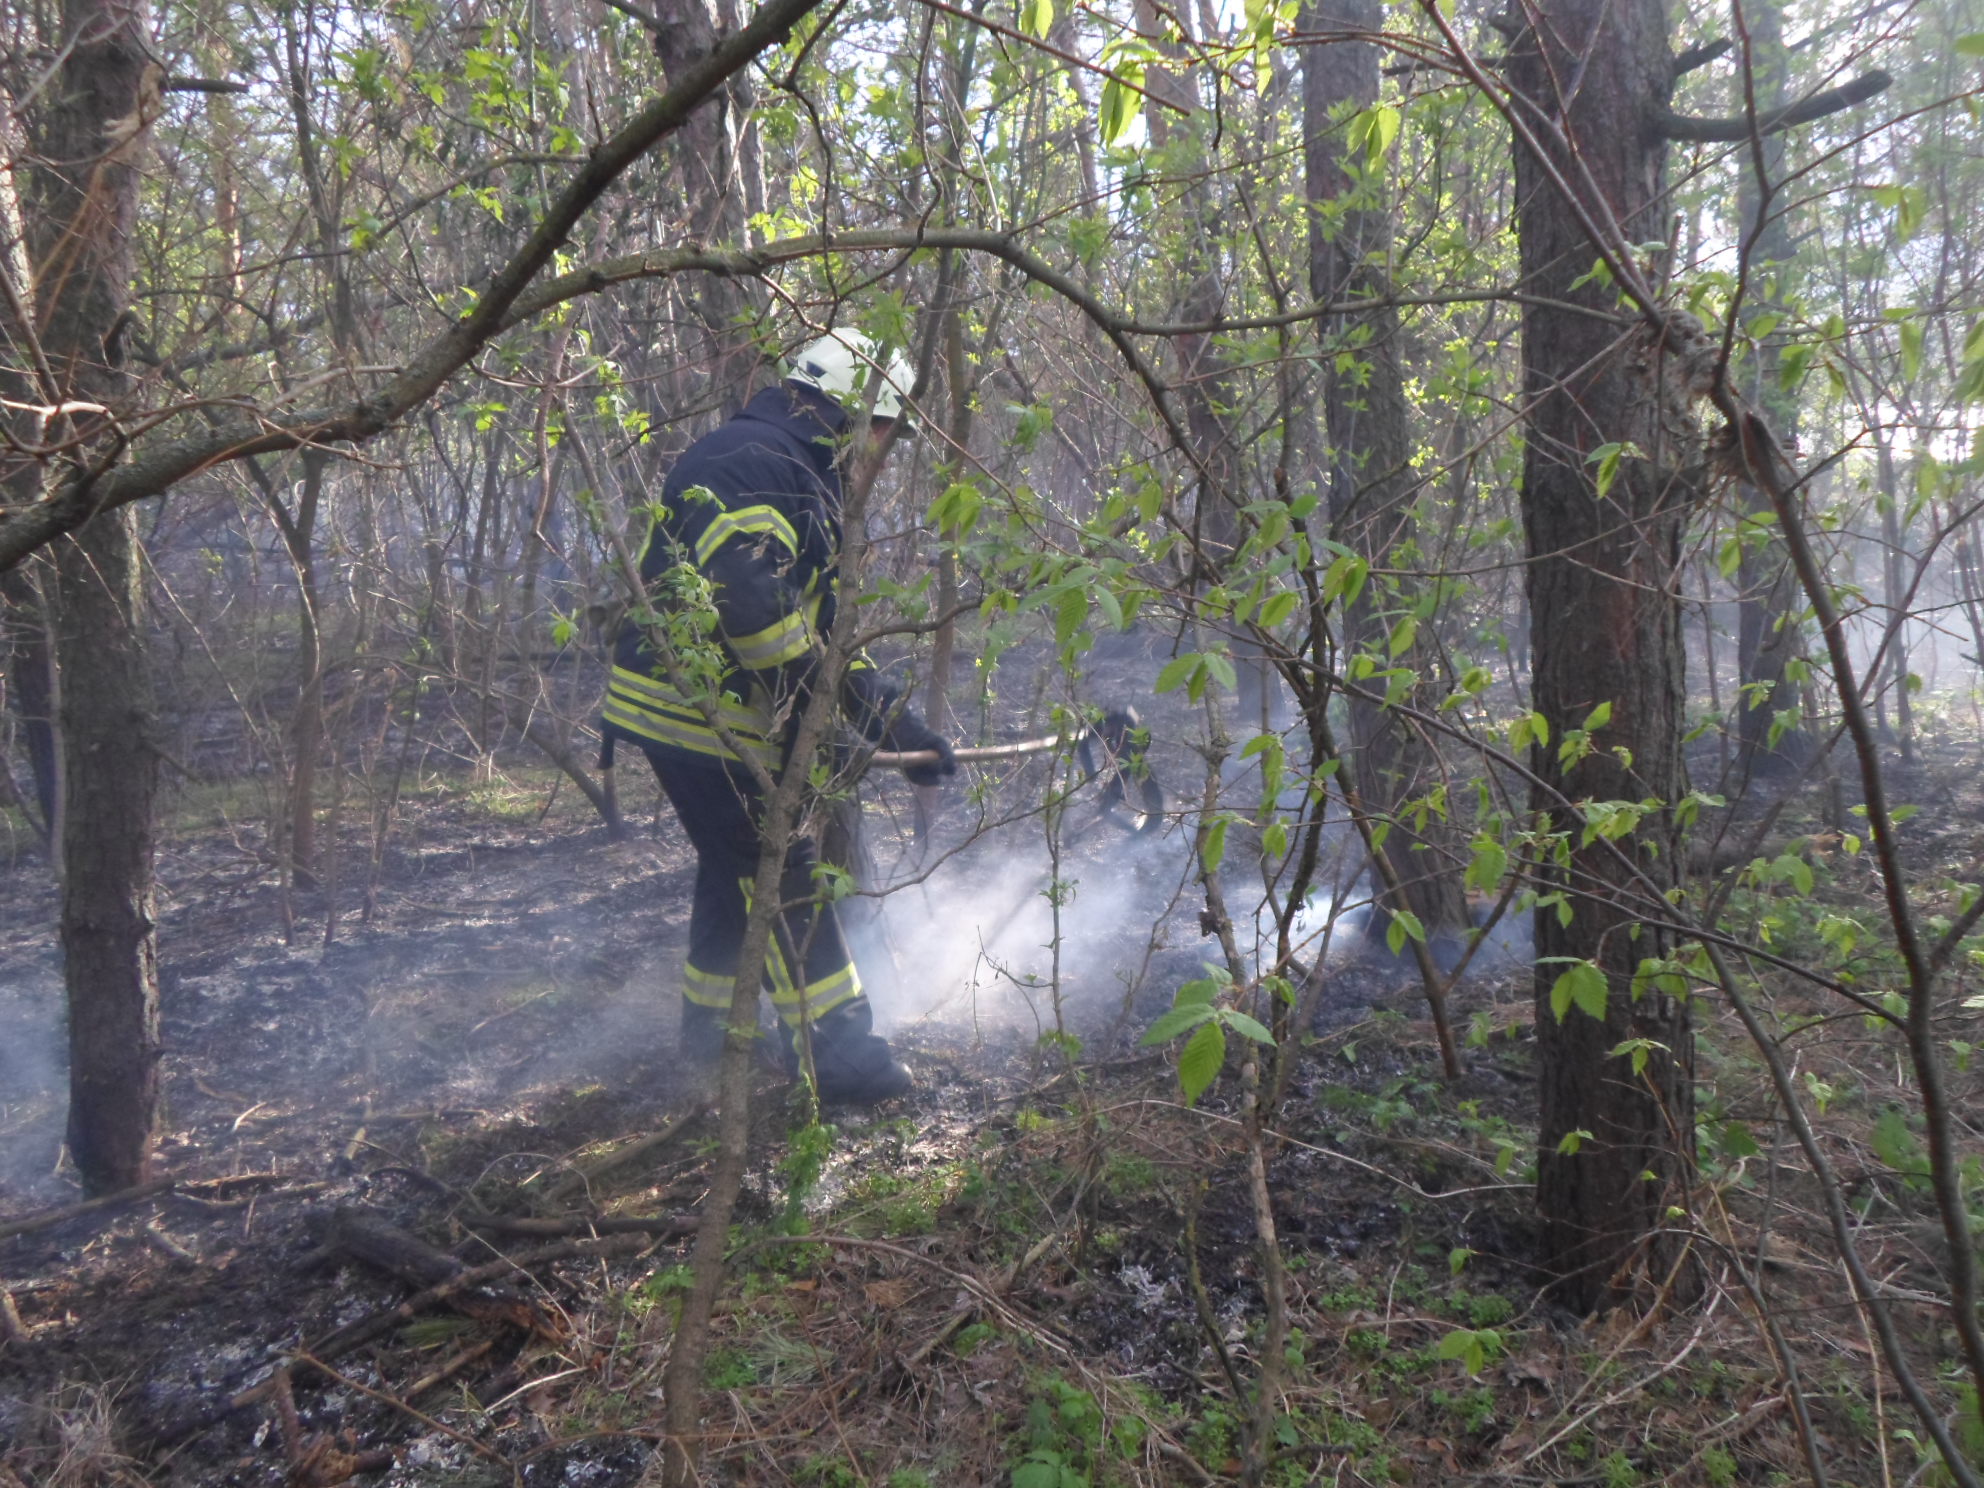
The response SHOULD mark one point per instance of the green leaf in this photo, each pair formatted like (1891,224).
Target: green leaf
(1199,1063)
(1583,986)
(1070,613)
(1606,457)
(1911,349)
(1246,1027)
(1405,926)
(1736,1140)
(1490,858)
(1277,608)
(1214,852)
(1473,1347)
(1792,365)
(1971,45)
(1374,130)
(1792,869)
(1402,637)
(1037,17)
(1039,1470)
(1897,1146)
(1598,718)
(1175,1022)
(1120,106)
(1344,579)
(1176,671)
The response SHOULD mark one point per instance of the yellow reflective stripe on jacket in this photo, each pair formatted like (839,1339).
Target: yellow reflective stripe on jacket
(785,639)
(742,522)
(652,710)
(697,738)
(654,692)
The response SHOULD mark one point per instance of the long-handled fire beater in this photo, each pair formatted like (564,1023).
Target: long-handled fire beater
(1115,747)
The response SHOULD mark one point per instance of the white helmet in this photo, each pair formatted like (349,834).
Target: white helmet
(840,364)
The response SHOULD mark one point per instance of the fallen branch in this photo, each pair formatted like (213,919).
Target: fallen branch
(589,1172)
(12,1329)
(357,1334)
(453,1365)
(481,1449)
(661,1226)
(368,1237)
(48,1218)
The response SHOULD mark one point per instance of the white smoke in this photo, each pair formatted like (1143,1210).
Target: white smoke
(977,946)
(33,1077)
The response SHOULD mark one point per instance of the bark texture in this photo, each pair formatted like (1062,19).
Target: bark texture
(1605,615)
(89,128)
(1768,635)
(1368,423)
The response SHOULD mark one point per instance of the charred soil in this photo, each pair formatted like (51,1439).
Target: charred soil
(1041,1262)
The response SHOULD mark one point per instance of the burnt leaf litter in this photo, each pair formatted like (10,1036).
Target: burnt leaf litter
(1031,1270)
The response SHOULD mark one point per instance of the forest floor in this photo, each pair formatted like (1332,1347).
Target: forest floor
(1036,1270)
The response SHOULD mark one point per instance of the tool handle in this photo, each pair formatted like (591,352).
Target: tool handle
(967,756)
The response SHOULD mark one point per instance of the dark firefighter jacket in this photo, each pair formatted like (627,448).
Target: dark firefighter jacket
(748,528)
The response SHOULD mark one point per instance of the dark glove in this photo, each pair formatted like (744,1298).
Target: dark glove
(909,734)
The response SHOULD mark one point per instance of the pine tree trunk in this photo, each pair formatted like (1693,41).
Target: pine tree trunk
(84,194)
(1603,583)
(108,941)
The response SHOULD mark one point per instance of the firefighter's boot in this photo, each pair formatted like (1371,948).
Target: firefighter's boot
(852,1062)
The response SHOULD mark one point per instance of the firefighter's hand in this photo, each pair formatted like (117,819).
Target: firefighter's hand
(911,735)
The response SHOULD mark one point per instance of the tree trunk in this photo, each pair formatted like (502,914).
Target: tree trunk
(1603,584)
(299,533)
(717,168)
(108,940)
(84,194)
(29,660)
(1768,635)
(1370,482)
(1895,560)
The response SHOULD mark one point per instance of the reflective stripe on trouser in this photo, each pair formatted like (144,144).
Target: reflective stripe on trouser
(807,966)
(706,988)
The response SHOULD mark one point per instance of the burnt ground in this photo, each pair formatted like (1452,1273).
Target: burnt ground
(1025,1266)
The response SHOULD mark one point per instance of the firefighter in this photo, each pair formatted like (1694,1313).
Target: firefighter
(747,536)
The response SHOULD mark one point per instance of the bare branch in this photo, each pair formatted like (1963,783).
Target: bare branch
(203,85)
(646,17)
(156,468)
(1700,55)
(1738,127)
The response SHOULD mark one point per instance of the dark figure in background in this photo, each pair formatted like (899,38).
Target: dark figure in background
(748,535)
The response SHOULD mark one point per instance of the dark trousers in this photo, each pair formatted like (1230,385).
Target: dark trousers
(807,966)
